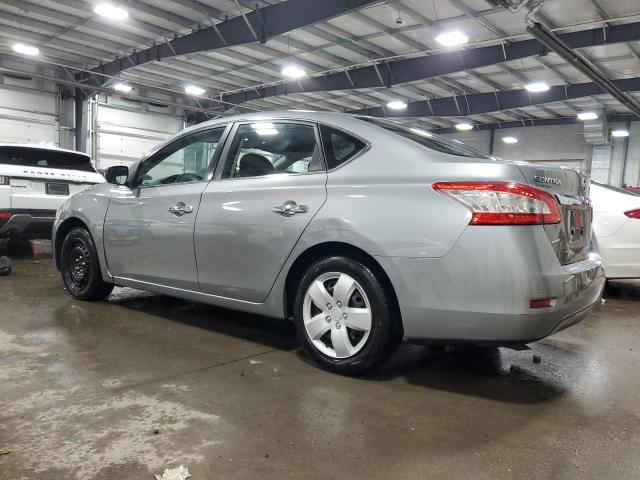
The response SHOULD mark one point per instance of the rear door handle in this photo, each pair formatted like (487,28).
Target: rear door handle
(289,209)
(180,209)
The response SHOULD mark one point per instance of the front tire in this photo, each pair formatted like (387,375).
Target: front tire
(80,267)
(344,316)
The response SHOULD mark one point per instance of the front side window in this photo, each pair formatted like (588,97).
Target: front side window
(266,148)
(185,160)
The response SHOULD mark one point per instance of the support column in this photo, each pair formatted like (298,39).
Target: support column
(81,131)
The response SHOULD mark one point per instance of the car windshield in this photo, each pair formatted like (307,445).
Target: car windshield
(427,139)
(616,189)
(41,157)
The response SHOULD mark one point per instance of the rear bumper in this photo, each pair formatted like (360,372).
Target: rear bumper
(480,291)
(27,224)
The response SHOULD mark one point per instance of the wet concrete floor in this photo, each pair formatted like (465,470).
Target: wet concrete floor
(130,386)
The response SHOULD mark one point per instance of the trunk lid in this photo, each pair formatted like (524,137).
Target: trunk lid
(571,237)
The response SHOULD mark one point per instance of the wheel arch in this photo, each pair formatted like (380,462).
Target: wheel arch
(333,249)
(62,231)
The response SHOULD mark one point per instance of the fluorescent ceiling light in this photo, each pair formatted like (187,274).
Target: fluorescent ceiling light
(293,71)
(26,49)
(587,116)
(620,133)
(122,87)
(464,126)
(509,139)
(194,90)
(111,11)
(422,133)
(397,105)
(452,39)
(536,87)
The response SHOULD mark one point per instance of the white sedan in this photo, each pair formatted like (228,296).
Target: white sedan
(616,223)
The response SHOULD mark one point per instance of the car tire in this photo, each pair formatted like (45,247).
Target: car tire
(325,324)
(80,267)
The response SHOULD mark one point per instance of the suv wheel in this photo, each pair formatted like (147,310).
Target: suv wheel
(80,267)
(344,316)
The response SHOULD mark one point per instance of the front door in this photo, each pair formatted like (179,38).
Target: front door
(267,191)
(149,225)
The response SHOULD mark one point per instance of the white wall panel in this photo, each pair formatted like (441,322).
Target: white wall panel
(125,135)
(28,116)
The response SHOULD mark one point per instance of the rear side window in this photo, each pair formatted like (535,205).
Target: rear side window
(427,139)
(339,146)
(39,157)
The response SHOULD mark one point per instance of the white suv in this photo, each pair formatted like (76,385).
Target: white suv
(34,182)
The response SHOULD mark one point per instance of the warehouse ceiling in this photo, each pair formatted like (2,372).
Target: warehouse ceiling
(386,47)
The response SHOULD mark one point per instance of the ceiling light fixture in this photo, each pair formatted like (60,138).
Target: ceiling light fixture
(452,39)
(537,87)
(587,116)
(110,11)
(294,72)
(194,90)
(620,133)
(397,105)
(122,87)
(26,49)
(510,140)
(464,127)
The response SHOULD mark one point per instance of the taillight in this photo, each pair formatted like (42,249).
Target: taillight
(4,180)
(503,203)
(633,213)
(6,214)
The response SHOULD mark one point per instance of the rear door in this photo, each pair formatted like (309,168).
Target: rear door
(270,186)
(149,226)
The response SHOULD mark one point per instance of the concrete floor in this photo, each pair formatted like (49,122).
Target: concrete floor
(128,387)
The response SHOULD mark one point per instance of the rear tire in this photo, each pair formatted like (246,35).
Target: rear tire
(344,317)
(80,267)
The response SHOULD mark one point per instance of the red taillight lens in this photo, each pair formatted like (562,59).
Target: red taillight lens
(503,203)
(541,303)
(633,214)
(4,180)
(6,214)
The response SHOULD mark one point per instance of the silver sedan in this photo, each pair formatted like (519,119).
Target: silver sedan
(363,231)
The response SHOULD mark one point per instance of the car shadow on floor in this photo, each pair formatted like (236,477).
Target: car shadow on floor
(270,332)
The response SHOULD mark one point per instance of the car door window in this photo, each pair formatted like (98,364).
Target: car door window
(265,148)
(185,160)
(339,146)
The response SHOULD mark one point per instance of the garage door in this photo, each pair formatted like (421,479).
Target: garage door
(28,117)
(124,136)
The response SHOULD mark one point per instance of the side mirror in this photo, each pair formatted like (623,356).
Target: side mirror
(117,175)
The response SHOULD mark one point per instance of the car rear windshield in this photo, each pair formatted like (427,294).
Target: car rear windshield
(427,139)
(616,189)
(41,157)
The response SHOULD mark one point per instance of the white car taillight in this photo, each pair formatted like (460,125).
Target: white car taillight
(4,180)
(503,203)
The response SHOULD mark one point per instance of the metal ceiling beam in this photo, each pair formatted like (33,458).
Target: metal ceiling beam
(564,51)
(429,66)
(536,123)
(266,22)
(482,103)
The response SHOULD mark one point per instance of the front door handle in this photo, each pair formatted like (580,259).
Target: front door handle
(289,209)
(180,209)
